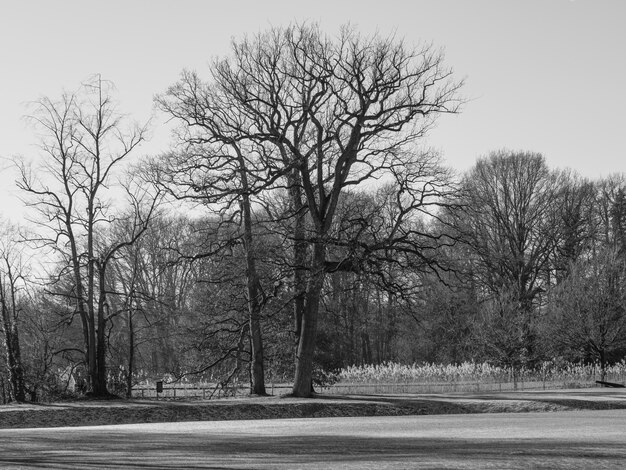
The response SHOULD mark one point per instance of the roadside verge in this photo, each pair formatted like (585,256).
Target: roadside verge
(90,413)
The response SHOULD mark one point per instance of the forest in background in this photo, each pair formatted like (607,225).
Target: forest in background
(298,225)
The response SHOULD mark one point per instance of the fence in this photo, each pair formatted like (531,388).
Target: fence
(207,390)
(204,390)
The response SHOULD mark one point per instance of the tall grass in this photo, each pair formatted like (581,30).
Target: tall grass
(391,372)
(392,378)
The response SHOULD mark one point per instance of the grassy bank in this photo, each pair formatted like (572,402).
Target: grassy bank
(83,413)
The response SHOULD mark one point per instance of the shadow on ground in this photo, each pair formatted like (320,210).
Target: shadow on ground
(302,451)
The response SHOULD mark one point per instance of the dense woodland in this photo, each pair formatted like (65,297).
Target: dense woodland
(298,224)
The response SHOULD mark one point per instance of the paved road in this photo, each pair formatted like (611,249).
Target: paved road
(581,439)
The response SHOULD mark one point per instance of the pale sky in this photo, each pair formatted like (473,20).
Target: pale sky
(546,76)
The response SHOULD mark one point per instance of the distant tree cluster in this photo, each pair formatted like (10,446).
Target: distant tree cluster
(297,225)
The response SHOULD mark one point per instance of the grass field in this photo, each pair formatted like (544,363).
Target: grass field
(560,440)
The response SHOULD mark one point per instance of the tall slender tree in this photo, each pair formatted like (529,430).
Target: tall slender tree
(221,170)
(84,141)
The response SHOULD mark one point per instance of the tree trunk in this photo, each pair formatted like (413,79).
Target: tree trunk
(93,342)
(80,300)
(258,371)
(131,352)
(14,367)
(17,367)
(255,301)
(99,387)
(12,343)
(299,257)
(256,338)
(303,380)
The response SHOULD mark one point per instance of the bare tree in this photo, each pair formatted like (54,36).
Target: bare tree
(331,113)
(83,142)
(510,223)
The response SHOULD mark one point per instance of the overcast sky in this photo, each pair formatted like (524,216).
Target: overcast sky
(542,75)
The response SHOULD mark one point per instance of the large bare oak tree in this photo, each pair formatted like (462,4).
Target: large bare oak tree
(330,113)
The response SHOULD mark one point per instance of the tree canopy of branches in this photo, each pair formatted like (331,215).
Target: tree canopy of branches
(509,221)
(324,233)
(318,115)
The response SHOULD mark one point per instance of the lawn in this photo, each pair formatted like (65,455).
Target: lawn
(562,440)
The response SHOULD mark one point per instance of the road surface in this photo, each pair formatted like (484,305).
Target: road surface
(577,439)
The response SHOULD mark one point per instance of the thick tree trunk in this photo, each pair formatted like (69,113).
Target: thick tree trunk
(256,337)
(299,258)
(303,380)
(258,371)
(80,300)
(255,302)
(299,275)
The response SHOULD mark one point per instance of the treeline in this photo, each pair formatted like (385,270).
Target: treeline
(297,226)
